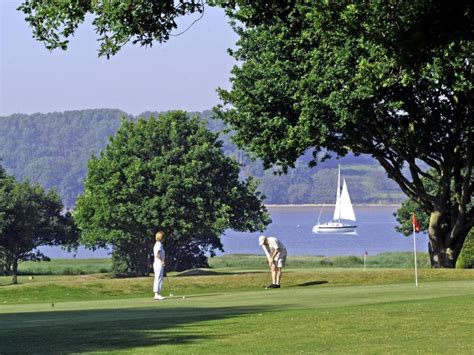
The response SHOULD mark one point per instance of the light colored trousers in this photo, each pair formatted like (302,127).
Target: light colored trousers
(159,273)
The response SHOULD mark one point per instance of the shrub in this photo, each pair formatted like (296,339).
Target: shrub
(466,258)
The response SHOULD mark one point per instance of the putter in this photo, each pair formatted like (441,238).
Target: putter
(169,287)
(266,280)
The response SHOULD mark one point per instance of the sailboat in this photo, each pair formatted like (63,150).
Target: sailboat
(342,211)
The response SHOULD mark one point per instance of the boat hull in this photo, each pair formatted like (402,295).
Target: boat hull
(334,228)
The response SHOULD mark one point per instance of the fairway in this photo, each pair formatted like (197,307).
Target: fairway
(401,318)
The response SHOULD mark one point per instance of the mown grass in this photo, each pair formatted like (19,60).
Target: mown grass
(232,261)
(62,288)
(352,311)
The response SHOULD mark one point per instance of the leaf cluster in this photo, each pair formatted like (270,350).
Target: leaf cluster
(317,79)
(53,149)
(116,22)
(166,173)
(30,217)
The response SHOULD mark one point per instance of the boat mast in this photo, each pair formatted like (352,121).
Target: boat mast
(337,214)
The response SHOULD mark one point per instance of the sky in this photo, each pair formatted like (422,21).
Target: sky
(180,74)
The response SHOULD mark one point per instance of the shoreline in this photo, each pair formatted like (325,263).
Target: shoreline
(333,204)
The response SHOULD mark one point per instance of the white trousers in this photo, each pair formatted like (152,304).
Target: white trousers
(159,273)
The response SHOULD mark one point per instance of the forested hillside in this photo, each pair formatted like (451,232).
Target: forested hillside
(53,149)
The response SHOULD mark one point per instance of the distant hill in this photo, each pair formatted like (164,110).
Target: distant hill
(53,149)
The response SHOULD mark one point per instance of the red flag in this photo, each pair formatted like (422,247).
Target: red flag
(415,223)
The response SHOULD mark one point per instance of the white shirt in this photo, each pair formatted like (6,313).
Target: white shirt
(273,244)
(158,248)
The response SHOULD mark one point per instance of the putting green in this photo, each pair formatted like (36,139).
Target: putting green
(433,317)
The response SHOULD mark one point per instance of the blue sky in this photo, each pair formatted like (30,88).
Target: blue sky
(181,74)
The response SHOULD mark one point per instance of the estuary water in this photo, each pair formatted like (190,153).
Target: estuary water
(293,226)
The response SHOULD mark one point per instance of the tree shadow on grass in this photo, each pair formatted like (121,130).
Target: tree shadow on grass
(312,283)
(110,329)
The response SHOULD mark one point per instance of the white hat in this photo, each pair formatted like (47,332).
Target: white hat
(261,240)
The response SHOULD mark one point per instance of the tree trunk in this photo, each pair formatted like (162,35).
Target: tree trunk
(14,270)
(441,257)
(143,263)
(444,246)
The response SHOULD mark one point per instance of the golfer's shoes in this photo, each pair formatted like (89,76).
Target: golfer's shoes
(158,297)
(273,286)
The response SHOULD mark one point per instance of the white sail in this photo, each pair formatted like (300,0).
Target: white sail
(337,210)
(342,210)
(346,210)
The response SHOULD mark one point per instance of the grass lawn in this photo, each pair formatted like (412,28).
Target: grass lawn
(227,311)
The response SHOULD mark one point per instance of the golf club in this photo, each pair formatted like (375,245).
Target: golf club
(266,280)
(169,286)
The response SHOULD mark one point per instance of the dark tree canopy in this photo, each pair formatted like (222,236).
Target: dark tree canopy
(424,26)
(317,79)
(409,30)
(165,173)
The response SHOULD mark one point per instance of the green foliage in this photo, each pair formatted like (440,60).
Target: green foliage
(383,260)
(424,26)
(318,79)
(65,267)
(116,22)
(53,149)
(30,218)
(404,217)
(165,173)
(466,258)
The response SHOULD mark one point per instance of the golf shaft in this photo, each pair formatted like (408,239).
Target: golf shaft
(169,287)
(267,278)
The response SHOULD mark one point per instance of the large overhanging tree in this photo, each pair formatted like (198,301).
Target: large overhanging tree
(409,207)
(425,24)
(165,173)
(388,78)
(319,78)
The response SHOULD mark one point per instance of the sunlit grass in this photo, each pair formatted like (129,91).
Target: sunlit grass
(60,288)
(225,309)
(391,317)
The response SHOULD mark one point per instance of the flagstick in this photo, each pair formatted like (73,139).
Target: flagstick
(414,253)
(365,259)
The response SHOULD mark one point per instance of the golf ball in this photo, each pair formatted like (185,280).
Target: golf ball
(184,297)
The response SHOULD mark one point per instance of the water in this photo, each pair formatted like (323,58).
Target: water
(293,226)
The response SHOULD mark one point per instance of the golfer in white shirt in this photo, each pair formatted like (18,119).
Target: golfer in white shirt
(276,255)
(158,265)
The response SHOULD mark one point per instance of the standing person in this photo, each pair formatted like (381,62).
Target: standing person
(158,264)
(276,255)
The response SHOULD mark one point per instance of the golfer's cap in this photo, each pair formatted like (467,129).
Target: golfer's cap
(261,240)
